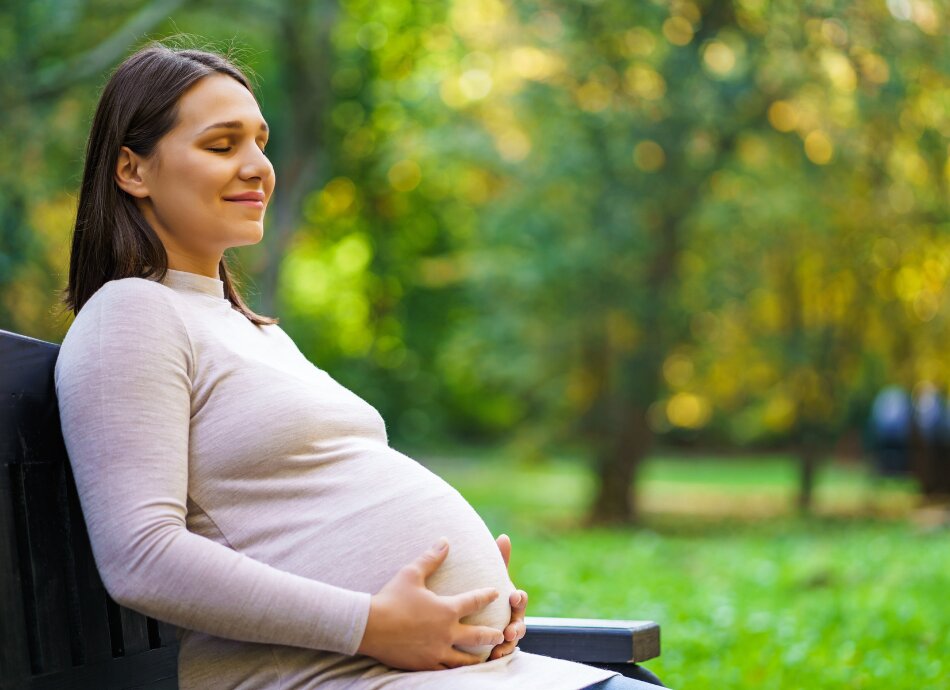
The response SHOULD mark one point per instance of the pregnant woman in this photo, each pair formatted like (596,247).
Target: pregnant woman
(231,487)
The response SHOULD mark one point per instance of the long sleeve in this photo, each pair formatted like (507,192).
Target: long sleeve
(123,380)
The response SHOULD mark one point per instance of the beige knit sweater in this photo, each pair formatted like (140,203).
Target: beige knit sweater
(237,491)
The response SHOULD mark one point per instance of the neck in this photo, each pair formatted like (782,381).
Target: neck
(202,268)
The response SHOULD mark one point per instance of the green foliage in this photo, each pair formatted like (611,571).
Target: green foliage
(550,218)
(847,605)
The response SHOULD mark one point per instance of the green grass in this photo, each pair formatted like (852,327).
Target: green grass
(776,602)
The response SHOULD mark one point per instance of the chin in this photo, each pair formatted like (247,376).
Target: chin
(252,237)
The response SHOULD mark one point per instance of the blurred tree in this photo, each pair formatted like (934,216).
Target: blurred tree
(48,68)
(583,244)
(570,222)
(818,325)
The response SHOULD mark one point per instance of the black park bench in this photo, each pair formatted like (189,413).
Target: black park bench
(58,626)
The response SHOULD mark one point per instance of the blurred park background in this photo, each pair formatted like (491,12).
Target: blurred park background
(630,274)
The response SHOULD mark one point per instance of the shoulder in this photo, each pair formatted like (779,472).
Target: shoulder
(130,315)
(135,300)
(127,307)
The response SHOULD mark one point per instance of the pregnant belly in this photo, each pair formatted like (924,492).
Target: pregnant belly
(395,510)
(473,562)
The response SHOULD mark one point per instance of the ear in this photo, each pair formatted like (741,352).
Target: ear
(129,169)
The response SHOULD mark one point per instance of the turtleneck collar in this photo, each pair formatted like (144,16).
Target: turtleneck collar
(193,282)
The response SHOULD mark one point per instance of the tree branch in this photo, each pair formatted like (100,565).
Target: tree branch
(52,81)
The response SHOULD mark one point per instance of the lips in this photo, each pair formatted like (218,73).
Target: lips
(252,199)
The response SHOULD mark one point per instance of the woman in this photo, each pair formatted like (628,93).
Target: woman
(230,487)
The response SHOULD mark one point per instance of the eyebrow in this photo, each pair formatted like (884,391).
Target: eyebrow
(231,124)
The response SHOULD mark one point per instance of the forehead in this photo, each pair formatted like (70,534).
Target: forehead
(217,98)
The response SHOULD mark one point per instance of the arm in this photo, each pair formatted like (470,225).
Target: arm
(123,380)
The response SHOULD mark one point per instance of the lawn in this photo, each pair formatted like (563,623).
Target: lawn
(748,594)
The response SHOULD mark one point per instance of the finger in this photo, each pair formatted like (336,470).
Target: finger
(429,562)
(518,599)
(477,635)
(514,631)
(502,650)
(504,545)
(455,658)
(470,602)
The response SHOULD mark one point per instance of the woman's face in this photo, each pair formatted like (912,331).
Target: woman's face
(188,188)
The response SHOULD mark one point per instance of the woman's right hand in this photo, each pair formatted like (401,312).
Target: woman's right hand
(411,627)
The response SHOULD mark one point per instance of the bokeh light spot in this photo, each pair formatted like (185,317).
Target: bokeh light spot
(649,156)
(719,58)
(688,411)
(405,175)
(593,97)
(643,81)
(678,31)
(818,147)
(475,84)
(783,116)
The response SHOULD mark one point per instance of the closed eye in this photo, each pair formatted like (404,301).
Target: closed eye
(225,149)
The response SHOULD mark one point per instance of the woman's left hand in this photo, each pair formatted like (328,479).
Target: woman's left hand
(516,629)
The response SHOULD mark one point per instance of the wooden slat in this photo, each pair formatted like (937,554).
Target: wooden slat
(14,639)
(46,604)
(28,415)
(592,640)
(14,648)
(156,669)
(134,632)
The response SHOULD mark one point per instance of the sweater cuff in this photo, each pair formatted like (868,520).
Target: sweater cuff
(349,614)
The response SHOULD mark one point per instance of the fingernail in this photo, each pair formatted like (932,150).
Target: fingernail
(440,544)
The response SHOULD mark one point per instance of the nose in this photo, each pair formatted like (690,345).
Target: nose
(255,164)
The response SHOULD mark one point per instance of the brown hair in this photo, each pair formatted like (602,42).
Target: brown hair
(138,106)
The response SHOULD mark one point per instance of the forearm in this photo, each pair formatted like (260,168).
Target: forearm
(195,583)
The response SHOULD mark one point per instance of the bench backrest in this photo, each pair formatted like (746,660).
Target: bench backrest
(58,626)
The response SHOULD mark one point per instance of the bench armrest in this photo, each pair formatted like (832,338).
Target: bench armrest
(587,640)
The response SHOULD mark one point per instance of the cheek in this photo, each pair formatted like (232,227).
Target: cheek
(181,177)
(188,197)
(200,182)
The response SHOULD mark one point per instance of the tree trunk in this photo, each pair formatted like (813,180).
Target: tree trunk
(923,465)
(618,460)
(808,468)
